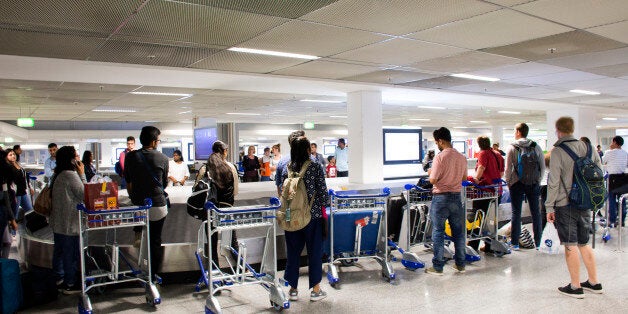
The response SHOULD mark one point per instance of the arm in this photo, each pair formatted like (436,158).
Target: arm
(478,173)
(508,165)
(541,157)
(48,171)
(122,160)
(553,182)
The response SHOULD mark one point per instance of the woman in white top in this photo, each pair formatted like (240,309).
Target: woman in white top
(276,152)
(178,170)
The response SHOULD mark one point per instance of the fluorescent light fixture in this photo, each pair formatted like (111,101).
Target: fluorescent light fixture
(147,121)
(585,92)
(461,127)
(477,121)
(609,119)
(419,119)
(476,77)
(432,107)
(308,125)
(114,110)
(273,53)
(323,101)
(161,94)
(509,112)
(244,114)
(184,112)
(339,117)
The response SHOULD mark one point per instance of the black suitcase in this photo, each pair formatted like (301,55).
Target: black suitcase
(39,286)
(394,210)
(34,221)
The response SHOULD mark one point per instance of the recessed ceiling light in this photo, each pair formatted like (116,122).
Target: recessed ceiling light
(341,117)
(432,107)
(509,112)
(184,112)
(147,121)
(476,77)
(477,121)
(419,119)
(585,92)
(609,119)
(114,110)
(244,114)
(273,53)
(161,94)
(323,101)
(461,127)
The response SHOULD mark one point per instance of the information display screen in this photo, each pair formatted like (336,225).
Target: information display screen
(402,146)
(204,139)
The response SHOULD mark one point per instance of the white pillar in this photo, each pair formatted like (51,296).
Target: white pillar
(584,120)
(366,159)
(497,133)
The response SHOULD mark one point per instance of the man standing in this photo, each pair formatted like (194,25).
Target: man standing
(130,146)
(317,157)
(616,161)
(573,225)
(525,165)
(449,169)
(51,162)
(496,148)
(342,158)
(146,173)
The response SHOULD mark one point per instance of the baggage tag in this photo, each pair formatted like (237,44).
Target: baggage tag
(362,222)
(375,216)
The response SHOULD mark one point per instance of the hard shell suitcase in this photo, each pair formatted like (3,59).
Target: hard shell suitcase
(394,210)
(10,286)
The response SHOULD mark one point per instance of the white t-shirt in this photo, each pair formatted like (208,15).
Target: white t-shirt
(178,170)
(616,160)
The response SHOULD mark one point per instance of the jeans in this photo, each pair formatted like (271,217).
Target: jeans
(265,178)
(25,202)
(532,193)
(156,250)
(66,257)
(448,206)
(312,237)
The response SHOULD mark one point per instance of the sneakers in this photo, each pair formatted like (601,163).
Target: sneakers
(570,292)
(596,288)
(317,296)
(294,295)
(434,271)
(459,269)
(514,247)
(69,290)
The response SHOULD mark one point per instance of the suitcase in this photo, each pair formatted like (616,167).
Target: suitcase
(39,286)
(35,221)
(394,210)
(10,286)
(344,231)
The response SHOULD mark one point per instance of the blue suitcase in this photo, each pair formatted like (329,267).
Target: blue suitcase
(10,286)
(344,231)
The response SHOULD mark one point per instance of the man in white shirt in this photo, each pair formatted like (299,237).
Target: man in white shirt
(616,161)
(178,170)
(342,158)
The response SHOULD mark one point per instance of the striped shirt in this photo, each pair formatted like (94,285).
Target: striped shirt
(616,160)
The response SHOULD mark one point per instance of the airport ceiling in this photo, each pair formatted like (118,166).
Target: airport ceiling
(540,50)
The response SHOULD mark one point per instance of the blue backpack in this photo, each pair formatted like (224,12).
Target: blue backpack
(588,190)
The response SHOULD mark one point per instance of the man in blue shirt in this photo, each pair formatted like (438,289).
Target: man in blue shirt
(51,163)
(342,158)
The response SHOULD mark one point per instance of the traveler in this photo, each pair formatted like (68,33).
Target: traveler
(23,189)
(18,152)
(6,208)
(282,171)
(599,151)
(448,171)
(573,225)
(342,158)
(276,153)
(317,157)
(250,162)
(130,146)
(331,169)
(88,162)
(616,161)
(178,171)
(265,165)
(496,148)
(427,160)
(51,162)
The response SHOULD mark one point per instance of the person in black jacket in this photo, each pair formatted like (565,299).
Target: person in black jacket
(6,214)
(251,166)
(88,161)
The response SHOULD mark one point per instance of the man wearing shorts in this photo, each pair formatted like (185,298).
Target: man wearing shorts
(573,225)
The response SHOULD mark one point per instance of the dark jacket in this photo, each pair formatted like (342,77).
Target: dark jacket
(138,174)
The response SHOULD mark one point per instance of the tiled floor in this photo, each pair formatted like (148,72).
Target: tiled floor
(522,282)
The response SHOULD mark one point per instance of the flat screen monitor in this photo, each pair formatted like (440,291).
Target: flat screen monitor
(204,138)
(402,146)
(329,150)
(460,146)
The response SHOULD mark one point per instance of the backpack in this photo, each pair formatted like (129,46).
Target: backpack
(588,190)
(118,168)
(528,167)
(294,212)
(204,190)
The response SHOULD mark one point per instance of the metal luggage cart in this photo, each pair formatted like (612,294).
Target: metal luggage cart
(109,221)
(484,225)
(240,274)
(360,221)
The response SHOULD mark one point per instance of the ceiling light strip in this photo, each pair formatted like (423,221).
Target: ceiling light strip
(162,94)
(114,110)
(476,77)
(273,53)
(585,92)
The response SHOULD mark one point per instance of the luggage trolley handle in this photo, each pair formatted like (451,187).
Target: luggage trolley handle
(274,204)
(409,187)
(341,194)
(148,203)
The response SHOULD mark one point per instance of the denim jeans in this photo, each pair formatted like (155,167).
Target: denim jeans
(448,206)
(533,194)
(25,202)
(312,237)
(265,178)
(66,257)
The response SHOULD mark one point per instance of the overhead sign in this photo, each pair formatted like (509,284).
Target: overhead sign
(25,122)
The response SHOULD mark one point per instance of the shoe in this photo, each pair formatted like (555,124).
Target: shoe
(596,288)
(294,295)
(459,269)
(59,283)
(317,296)
(69,290)
(434,271)
(515,247)
(538,248)
(574,293)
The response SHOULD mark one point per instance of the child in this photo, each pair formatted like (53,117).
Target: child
(331,167)
(265,165)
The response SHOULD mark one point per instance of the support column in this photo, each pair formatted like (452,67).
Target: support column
(584,120)
(366,158)
(497,133)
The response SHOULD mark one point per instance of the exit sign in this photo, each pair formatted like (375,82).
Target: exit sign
(25,122)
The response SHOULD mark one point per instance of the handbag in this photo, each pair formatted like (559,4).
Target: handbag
(43,202)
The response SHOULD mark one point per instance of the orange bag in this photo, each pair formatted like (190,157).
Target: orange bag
(99,196)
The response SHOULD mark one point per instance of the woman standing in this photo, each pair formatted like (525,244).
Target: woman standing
(23,190)
(311,235)
(6,211)
(67,191)
(276,152)
(251,166)
(88,161)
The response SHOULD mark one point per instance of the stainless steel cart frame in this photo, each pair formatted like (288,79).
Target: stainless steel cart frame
(241,274)
(110,221)
(373,205)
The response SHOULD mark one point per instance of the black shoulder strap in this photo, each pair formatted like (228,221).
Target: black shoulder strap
(150,170)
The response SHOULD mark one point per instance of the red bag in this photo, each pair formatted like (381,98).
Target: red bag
(100,196)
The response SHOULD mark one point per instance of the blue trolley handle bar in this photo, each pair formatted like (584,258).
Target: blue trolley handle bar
(274,205)
(385,192)
(499,182)
(416,187)
(148,203)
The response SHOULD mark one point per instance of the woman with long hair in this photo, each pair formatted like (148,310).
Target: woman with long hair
(23,190)
(6,206)
(251,165)
(88,161)
(311,235)
(67,191)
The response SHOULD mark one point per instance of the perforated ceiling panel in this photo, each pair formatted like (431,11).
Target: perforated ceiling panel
(465,62)
(326,69)
(47,45)
(616,31)
(150,54)
(390,77)
(442,82)
(409,15)
(591,60)
(245,62)
(565,44)
(580,13)
(492,29)
(186,23)
(617,70)
(283,8)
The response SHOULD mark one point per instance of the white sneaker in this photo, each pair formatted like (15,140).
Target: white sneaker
(317,296)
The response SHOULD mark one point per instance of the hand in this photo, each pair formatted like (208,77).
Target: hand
(80,167)
(182,182)
(551,217)
(14,225)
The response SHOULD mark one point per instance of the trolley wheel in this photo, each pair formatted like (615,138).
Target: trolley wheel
(153,302)
(277,307)
(333,284)
(82,309)
(347,262)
